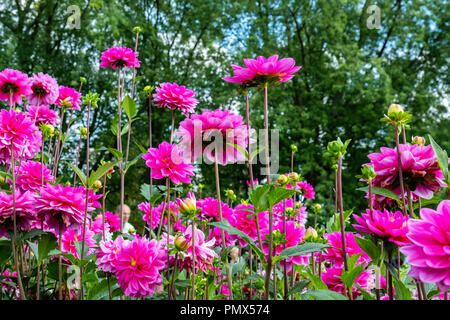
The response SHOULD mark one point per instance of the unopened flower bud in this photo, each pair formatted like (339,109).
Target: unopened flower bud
(317,206)
(395,108)
(294,148)
(294,176)
(110,171)
(83,132)
(418,140)
(187,206)
(83,80)
(282,179)
(148,90)
(97,184)
(311,234)
(229,193)
(137,30)
(181,243)
(2,179)
(290,211)
(201,186)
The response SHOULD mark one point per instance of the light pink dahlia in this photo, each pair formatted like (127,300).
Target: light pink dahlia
(18,129)
(335,253)
(173,96)
(43,115)
(65,205)
(429,252)
(25,211)
(71,236)
(70,97)
(29,174)
(119,57)
(138,265)
(223,128)
(392,226)
(420,168)
(331,277)
(264,70)
(107,253)
(167,161)
(14,84)
(44,89)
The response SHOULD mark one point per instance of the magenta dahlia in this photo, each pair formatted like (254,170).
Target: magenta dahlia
(335,253)
(421,172)
(173,96)
(247,224)
(332,278)
(138,265)
(224,127)
(43,115)
(69,97)
(391,226)
(119,57)
(29,174)
(65,206)
(70,236)
(18,129)
(175,222)
(429,251)
(264,70)
(25,211)
(111,219)
(298,214)
(167,161)
(14,84)
(210,209)
(44,89)
(107,253)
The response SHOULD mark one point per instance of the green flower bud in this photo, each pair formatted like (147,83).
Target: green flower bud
(97,184)
(83,132)
(201,186)
(418,140)
(294,176)
(282,179)
(181,243)
(294,148)
(395,108)
(83,80)
(311,234)
(137,30)
(318,206)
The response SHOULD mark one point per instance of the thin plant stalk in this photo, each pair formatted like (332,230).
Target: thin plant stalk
(400,171)
(269,258)
(60,261)
(193,258)
(286,284)
(150,145)
(172,127)
(76,160)
(219,206)
(119,147)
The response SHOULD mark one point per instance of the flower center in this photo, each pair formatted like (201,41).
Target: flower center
(39,91)
(120,63)
(133,262)
(9,87)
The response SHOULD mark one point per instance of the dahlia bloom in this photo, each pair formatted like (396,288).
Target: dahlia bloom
(107,253)
(335,254)
(43,115)
(389,225)
(300,214)
(264,70)
(25,211)
(70,236)
(224,127)
(331,277)
(420,168)
(96,226)
(138,264)
(44,89)
(18,129)
(70,97)
(429,252)
(173,96)
(166,161)
(149,210)
(255,182)
(306,189)
(216,234)
(210,209)
(8,287)
(111,219)
(14,84)
(119,57)
(28,176)
(175,222)
(65,205)
(247,225)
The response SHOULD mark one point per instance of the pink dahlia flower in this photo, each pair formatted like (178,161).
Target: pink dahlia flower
(175,222)
(299,215)
(224,127)
(247,225)
(25,211)
(216,234)
(255,182)
(44,89)
(420,168)
(173,96)
(70,97)
(65,205)
(69,238)
(119,57)
(107,253)
(138,265)
(150,211)
(429,252)
(29,174)
(391,226)
(264,70)
(210,209)
(166,161)
(111,219)
(331,277)
(335,254)
(306,189)
(43,115)
(18,129)
(96,226)
(14,84)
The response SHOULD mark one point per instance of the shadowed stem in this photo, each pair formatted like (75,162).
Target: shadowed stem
(14,241)
(76,161)
(286,284)
(119,147)
(173,124)
(168,231)
(193,258)
(150,145)
(269,258)
(400,171)
(266,135)
(60,261)
(219,207)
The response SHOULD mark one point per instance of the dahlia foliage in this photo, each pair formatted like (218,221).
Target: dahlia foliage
(186,236)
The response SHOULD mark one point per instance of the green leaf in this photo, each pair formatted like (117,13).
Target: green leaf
(326,295)
(79,173)
(381,191)
(442,157)
(258,197)
(34,248)
(98,291)
(353,260)
(298,287)
(116,153)
(370,248)
(129,105)
(401,291)
(302,249)
(348,278)
(391,269)
(79,246)
(133,162)
(276,195)
(141,148)
(316,281)
(30,235)
(240,149)
(100,172)
(183,283)
(225,225)
(366,295)
(5,251)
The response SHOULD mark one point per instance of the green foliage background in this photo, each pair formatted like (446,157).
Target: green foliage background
(350,73)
